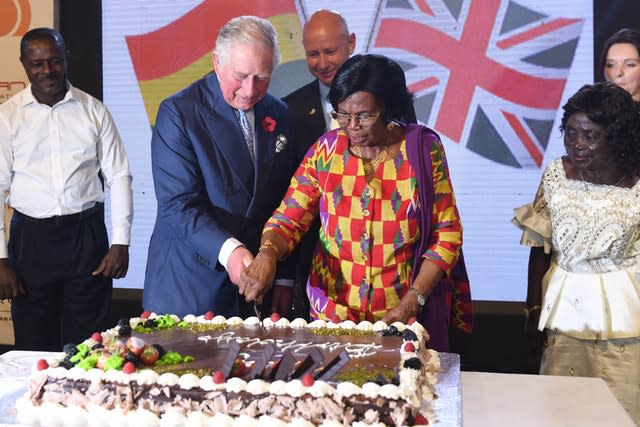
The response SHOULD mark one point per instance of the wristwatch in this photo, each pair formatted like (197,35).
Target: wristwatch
(419,296)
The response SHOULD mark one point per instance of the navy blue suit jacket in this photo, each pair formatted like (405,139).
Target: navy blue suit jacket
(207,191)
(305,107)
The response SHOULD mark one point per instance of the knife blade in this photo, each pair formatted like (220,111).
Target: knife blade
(256,310)
(258,313)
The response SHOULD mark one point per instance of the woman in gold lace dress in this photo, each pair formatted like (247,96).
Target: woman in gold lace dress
(583,228)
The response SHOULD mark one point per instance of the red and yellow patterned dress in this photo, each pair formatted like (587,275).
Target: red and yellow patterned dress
(362,265)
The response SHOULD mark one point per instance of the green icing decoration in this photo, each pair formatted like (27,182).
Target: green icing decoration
(83,350)
(114,362)
(165,322)
(88,362)
(173,357)
(142,330)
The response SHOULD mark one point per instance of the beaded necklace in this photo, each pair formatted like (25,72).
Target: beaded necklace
(370,166)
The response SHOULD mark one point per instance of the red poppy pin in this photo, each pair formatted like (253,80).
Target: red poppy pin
(268,124)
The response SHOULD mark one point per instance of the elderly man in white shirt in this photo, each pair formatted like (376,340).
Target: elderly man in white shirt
(58,148)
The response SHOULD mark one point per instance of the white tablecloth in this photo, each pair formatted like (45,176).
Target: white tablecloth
(498,400)
(15,369)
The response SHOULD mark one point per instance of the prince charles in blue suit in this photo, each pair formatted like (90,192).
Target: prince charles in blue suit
(221,165)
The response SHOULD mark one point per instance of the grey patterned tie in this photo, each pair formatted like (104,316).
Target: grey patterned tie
(248,133)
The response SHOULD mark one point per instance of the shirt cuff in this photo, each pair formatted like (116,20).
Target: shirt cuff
(288,283)
(120,236)
(4,252)
(121,210)
(228,246)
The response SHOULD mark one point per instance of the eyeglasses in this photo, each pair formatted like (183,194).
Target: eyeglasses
(591,139)
(363,119)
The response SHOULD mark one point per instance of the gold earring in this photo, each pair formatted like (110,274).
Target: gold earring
(390,126)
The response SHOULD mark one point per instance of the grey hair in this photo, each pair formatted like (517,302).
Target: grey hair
(250,30)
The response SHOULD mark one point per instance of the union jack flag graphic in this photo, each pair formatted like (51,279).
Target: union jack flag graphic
(489,74)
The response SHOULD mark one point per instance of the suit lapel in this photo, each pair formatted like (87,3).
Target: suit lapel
(226,135)
(265,148)
(317,122)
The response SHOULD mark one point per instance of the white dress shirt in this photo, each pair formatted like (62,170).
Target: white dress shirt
(326,105)
(51,158)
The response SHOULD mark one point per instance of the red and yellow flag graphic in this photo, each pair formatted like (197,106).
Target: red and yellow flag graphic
(171,57)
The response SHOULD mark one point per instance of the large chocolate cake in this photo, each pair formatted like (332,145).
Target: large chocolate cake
(162,370)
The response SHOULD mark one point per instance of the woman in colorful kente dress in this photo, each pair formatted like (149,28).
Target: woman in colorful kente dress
(390,228)
(583,228)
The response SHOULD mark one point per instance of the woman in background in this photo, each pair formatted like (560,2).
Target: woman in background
(583,228)
(620,61)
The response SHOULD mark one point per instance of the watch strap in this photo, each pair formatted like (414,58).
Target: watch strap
(419,296)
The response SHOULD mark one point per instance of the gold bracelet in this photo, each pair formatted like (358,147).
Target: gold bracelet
(268,244)
(527,311)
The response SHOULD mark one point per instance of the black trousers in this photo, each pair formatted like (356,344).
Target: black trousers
(54,258)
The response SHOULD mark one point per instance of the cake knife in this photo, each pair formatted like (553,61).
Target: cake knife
(256,310)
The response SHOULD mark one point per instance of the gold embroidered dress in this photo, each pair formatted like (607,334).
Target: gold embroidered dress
(592,231)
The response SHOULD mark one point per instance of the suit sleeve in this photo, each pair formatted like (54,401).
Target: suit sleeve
(182,199)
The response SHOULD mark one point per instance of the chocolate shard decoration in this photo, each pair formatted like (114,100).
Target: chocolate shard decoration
(261,358)
(333,366)
(312,360)
(285,367)
(230,358)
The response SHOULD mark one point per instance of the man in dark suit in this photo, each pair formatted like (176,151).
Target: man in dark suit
(221,165)
(327,44)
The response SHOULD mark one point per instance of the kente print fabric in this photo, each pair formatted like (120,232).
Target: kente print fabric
(363,263)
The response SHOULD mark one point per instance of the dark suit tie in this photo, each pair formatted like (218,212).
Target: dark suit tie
(247,132)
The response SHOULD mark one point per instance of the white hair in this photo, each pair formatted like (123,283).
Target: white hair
(250,30)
